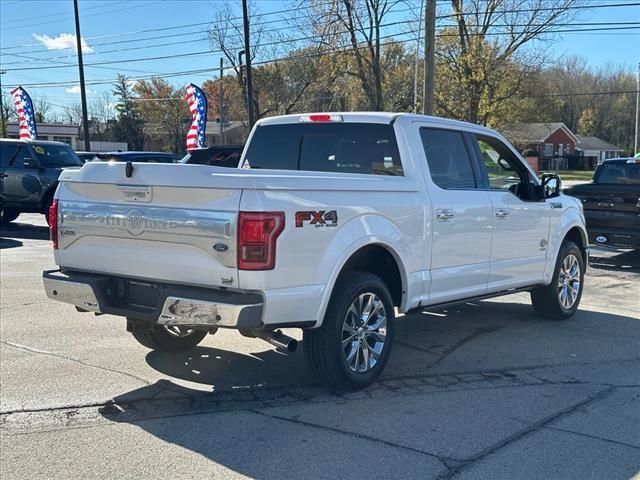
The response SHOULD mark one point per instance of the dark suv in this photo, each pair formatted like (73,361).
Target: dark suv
(29,172)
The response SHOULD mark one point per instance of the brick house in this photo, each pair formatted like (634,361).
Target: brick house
(554,142)
(593,150)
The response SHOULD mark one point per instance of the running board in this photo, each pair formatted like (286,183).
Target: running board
(472,299)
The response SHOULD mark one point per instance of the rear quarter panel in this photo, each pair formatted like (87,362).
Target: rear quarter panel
(387,211)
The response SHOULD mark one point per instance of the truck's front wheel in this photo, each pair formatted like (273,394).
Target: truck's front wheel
(352,347)
(560,299)
(169,338)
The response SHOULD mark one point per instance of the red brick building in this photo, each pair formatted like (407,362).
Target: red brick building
(554,142)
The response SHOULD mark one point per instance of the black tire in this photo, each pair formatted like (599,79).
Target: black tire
(159,338)
(323,347)
(8,215)
(546,301)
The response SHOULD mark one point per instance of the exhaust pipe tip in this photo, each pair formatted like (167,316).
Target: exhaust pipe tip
(292,345)
(278,340)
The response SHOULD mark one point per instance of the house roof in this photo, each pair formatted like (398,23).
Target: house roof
(595,143)
(535,132)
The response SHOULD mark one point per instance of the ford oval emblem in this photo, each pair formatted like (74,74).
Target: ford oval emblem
(220,247)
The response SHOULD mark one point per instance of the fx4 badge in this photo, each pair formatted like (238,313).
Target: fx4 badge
(319,219)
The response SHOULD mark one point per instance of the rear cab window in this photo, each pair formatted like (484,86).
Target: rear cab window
(366,148)
(618,173)
(56,156)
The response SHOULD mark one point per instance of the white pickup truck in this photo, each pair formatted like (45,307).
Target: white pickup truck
(334,224)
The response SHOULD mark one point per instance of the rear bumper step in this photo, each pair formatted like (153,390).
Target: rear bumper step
(165,304)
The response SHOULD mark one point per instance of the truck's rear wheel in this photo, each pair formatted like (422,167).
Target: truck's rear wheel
(560,299)
(353,345)
(8,215)
(169,338)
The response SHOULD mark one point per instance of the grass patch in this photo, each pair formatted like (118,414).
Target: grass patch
(585,175)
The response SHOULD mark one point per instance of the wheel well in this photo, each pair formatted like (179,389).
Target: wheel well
(379,261)
(575,235)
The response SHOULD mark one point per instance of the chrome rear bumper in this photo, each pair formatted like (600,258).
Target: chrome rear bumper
(165,304)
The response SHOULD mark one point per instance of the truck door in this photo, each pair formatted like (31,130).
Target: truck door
(460,217)
(520,218)
(22,182)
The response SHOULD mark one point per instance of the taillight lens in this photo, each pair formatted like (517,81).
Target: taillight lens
(53,223)
(257,236)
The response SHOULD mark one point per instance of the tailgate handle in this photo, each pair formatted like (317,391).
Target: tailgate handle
(135,193)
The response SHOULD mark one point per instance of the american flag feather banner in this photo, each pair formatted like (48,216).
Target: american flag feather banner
(26,114)
(198,106)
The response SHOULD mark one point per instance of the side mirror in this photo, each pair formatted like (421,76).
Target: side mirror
(551,185)
(29,162)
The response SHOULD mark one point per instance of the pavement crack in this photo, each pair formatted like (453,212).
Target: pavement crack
(461,343)
(600,395)
(72,359)
(595,437)
(445,461)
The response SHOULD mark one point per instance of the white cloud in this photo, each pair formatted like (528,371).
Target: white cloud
(75,90)
(62,42)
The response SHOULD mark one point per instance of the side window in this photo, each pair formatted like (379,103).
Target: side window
(23,152)
(504,171)
(448,159)
(6,153)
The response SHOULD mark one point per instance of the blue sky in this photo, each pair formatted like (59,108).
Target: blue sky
(36,29)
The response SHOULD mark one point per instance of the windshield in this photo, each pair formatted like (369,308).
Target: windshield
(618,173)
(57,156)
(219,157)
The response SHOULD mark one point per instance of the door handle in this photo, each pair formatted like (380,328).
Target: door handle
(502,213)
(605,204)
(3,175)
(444,215)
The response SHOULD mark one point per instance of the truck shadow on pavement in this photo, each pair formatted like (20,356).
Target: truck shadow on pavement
(473,350)
(17,230)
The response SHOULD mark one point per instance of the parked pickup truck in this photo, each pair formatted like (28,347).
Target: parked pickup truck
(612,203)
(333,223)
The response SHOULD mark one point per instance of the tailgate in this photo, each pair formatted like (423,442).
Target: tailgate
(610,205)
(170,223)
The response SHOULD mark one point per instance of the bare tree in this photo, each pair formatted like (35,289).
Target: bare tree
(356,25)
(42,109)
(491,37)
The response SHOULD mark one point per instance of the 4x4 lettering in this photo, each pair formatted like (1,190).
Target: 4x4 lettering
(319,219)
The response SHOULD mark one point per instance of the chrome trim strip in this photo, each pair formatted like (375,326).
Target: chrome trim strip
(199,228)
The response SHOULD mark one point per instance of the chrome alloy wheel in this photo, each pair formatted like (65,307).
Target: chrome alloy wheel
(569,281)
(176,331)
(364,332)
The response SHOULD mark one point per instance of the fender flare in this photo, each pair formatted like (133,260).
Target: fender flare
(348,244)
(570,219)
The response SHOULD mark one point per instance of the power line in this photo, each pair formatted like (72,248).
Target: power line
(199,53)
(288,11)
(158,45)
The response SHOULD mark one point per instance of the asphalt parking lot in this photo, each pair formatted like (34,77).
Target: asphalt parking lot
(485,390)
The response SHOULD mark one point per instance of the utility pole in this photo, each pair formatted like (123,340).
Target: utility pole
(247,57)
(83,93)
(4,119)
(221,104)
(635,140)
(415,70)
(429,55)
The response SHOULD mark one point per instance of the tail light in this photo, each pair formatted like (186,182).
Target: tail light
(53,223)
(257,236)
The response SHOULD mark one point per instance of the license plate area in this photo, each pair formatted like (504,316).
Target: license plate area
(135,295)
